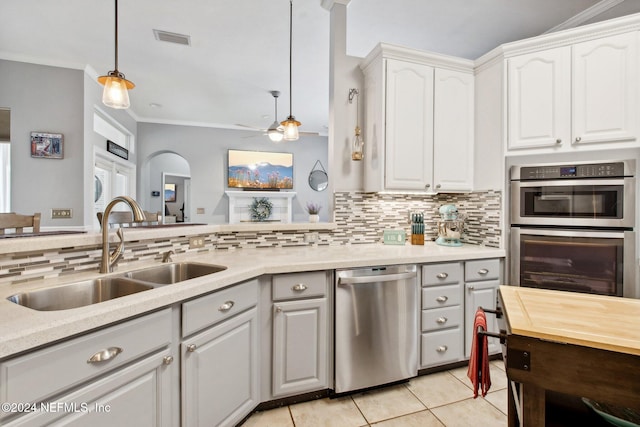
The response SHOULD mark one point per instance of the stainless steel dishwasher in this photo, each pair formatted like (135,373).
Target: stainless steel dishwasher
(376,326)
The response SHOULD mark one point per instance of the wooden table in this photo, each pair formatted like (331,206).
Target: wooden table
(578,344)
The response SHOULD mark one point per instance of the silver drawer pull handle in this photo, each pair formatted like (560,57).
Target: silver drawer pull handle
(483,271)
(442,349)
(167,360)
(442,298)
(442,276)
(104,355)
(442,320)
(299,287)
(226,306)
(191,348)
(278,309)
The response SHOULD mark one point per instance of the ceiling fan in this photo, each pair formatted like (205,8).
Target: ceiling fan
(275,131)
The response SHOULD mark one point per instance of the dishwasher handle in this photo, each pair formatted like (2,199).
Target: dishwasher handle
(376,279)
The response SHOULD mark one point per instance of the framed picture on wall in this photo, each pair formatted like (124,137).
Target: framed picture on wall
(46,145)
(169,192)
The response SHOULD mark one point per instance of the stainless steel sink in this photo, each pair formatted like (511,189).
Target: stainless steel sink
(79,294)
(167,274)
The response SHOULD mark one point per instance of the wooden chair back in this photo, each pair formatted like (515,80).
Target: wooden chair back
(19,222)
(125,219)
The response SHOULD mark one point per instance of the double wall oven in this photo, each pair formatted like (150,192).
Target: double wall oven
(572,227)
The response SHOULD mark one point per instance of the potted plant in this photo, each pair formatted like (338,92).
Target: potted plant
(313,210)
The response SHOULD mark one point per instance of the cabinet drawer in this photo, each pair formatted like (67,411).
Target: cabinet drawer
(482,269)
(299,285)
(40,374)
(441,318)
(441,296)
(441,347)
(441,274)
(215,307)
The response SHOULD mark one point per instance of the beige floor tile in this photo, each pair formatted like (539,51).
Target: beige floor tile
(279,417)
(470,413)
(498,399)
(327,413)
(439,389)
(498,376)
(498,364)
(419,419)
(386,403)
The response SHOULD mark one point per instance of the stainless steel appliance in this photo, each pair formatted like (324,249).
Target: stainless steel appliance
(376,326)
(572,227)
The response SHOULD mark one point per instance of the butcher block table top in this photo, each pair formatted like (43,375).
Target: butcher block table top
(602,322)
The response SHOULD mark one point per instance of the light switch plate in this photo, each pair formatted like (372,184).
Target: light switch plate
(61,213)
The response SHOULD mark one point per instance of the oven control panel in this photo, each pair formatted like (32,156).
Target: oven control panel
(595,170)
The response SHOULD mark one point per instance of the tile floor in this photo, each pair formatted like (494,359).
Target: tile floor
(435,400)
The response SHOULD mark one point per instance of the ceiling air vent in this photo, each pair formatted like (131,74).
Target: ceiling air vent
(166,36)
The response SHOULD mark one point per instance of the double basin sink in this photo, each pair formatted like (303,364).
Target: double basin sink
(102,289)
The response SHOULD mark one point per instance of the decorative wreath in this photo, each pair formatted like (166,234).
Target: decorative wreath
(260,209)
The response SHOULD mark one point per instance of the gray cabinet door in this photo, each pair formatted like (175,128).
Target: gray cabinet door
(481,294)
(139,394)
(220,372)
(299,346)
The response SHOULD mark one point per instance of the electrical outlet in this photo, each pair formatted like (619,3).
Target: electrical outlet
(196,242)
(311,237)
(200,211)
(61,213)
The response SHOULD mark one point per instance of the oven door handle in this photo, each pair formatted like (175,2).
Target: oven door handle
(376,279)
(572,182)
(526,231)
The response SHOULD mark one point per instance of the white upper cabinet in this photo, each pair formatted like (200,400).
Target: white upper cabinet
(453,131)
(539,95)
(605,96)
(419,121)
(563,98)
(409,132)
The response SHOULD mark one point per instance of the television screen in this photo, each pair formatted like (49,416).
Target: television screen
(260,170)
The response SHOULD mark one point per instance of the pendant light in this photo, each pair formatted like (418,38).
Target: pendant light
(291,124)
(115,94)
(275,130)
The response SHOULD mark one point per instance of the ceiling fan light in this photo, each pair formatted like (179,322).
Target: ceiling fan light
(291,129)
(115,93)
(275,132)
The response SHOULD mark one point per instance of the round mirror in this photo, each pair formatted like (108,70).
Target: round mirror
(318,180)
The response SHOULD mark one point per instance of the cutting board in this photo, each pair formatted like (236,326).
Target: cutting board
(603,322)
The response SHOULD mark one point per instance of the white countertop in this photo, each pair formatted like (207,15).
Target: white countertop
(22,328)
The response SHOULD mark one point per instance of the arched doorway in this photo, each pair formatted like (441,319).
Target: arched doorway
(166,185)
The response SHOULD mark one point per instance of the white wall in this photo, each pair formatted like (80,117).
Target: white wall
(45,99)
(205,149)
(345,74)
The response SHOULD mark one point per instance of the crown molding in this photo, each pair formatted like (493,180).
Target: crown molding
(585,15)
(390,51)
(580,34)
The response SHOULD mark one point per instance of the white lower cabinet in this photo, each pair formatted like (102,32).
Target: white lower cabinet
(441,340)
(121,375)
(300,337)
(451,294)
(482,280)
(220,363)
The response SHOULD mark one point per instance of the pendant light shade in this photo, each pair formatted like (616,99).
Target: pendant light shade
(116,86)
(291,124)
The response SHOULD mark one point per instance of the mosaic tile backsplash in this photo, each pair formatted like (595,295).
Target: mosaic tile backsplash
(360,218)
